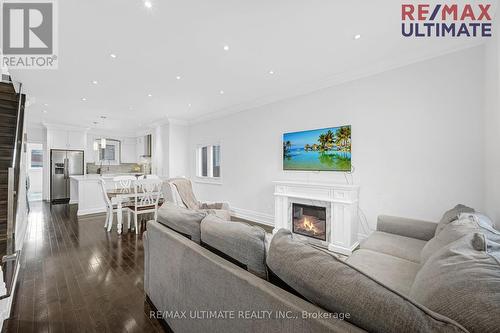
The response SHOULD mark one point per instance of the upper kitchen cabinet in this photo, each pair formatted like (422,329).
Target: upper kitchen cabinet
(76,140)
(66,139)
(129,146)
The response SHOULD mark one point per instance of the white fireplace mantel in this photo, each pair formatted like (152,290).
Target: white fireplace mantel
(340,200)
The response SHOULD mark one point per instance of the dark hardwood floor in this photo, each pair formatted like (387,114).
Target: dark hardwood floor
(76,277)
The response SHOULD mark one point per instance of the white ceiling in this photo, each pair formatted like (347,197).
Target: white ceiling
(308,44)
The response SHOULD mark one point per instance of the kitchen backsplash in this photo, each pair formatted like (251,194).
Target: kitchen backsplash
(121,168)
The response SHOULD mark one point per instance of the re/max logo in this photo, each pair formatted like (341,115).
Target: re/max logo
(424,20)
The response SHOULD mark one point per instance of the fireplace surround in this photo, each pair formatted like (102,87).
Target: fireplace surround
(336,204)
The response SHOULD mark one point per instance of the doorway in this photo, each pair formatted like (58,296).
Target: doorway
(34,171)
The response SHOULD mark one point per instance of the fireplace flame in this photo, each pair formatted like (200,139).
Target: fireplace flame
(309,226)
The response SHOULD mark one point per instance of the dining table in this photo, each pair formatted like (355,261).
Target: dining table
(119,197)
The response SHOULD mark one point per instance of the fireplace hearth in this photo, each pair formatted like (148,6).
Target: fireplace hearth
(309,221)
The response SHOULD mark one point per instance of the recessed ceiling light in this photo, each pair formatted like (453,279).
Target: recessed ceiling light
(148,4)
(221,92)
(357,36)
(178,77)
(44,111)
(84,99)
(45,104)
(112,55)
(150,95)
(189,105)
(271,72)
(95,82)
(226,47)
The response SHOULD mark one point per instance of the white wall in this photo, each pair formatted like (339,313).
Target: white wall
(178,153)
(160,152)
(492,127)
(36,134)
(416,132)
(171,150)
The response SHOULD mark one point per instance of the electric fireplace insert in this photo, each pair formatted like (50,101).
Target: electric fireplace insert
(309,221)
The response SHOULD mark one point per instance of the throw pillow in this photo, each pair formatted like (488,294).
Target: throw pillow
(462,282)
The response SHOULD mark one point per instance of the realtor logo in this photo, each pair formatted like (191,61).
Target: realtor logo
(446,20)
(29,34)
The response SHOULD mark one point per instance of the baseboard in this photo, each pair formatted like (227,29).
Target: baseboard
(262,218)
(90,211)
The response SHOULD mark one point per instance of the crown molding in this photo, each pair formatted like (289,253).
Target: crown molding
(111,133)
(66,127)
(168,121)
(328,82)
(177,121)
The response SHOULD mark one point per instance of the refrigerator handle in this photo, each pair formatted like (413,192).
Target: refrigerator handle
(66,168)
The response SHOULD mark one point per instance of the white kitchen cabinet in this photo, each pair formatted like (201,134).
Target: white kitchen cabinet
(63,139)
(140,148)
(129,148)
(58,139)
(90,153)
(76,140)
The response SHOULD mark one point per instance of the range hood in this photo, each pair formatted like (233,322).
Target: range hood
(148,142)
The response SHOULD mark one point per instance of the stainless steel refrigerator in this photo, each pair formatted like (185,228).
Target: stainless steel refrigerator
(63,164)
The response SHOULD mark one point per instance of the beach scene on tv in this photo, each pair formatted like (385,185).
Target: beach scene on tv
(327,149)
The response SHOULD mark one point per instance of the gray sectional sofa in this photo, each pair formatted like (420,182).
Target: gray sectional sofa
(408,276)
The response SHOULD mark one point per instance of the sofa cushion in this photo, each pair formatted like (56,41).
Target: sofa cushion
(394,272)
(220,213)
(183,220)
(450,233)
(462,282)
(239,241)
(395,245)
(452,215)
(339,287)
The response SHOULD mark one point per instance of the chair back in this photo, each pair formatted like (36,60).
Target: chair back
(152,177)
(123,182)
(104,193)
(147,192)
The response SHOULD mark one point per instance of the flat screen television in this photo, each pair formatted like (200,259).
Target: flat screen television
(326,149)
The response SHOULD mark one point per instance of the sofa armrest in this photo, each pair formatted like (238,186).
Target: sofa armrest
(406,227)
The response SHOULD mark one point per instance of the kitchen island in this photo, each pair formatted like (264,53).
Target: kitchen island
(85,190)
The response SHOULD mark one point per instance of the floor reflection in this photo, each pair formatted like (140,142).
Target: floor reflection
(75,276)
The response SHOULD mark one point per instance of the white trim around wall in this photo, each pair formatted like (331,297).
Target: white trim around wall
(250,215)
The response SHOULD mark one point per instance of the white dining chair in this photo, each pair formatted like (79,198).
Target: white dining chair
(110,209)
(123,182)
(147,194)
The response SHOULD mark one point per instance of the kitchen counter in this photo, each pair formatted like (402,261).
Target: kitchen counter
(85,177)
(86,191)
(105,176)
